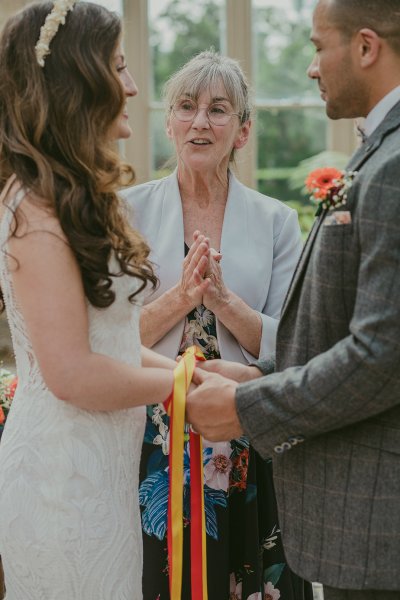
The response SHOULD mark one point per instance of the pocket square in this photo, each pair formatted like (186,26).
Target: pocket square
(339,217)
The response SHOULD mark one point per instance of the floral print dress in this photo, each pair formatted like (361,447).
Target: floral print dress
(245,559)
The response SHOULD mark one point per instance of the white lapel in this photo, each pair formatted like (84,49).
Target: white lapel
(245,247)
(167,235)
(234,234)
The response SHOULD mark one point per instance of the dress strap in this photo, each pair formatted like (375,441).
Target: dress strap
(10,204)
(16,199)
(7,187)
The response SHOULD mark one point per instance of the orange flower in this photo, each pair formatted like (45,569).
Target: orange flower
(239,470)
(329,187)
(320,181)
(2,416)
(10,389)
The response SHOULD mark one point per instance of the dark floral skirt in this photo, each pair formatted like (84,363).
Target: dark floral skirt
(245,557)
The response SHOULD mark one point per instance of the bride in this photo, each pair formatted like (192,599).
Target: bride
(72,276)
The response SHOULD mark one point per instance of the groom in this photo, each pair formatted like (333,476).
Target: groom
(330,413)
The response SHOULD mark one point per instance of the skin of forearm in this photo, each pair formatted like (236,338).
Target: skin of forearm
(153,359)
(98,382)
(243,322)
(161,315)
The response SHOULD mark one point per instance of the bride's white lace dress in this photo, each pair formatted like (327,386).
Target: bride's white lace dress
(69,510)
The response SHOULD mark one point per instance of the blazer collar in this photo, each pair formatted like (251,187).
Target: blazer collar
(373,142)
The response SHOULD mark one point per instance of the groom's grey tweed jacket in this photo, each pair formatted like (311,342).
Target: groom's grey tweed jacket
(338,346)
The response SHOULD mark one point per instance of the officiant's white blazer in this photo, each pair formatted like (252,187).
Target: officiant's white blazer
(260,246)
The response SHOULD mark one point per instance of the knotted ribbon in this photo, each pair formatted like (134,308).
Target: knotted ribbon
(175,407)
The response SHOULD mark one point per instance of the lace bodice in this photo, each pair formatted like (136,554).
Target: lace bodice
(70,522)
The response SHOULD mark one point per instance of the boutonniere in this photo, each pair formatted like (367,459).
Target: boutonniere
(329,187)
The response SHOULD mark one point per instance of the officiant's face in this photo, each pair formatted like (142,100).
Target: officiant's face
(206,129)
(334,66)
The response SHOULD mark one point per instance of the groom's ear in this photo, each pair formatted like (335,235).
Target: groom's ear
(243,135)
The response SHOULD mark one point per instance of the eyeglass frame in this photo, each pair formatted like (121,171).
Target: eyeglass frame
(207,114)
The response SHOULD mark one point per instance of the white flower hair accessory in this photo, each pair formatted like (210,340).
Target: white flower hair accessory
(47,32)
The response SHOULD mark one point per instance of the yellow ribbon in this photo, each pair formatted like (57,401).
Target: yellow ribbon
(183,374)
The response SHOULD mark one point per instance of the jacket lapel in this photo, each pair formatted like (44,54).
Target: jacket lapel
(302,262)
(234,237)
(169,236)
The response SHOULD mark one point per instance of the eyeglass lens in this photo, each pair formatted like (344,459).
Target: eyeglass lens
(186,110)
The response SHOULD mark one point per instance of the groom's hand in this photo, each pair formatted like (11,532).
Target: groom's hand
(211,409)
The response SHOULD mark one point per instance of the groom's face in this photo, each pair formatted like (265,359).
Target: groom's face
(334,67)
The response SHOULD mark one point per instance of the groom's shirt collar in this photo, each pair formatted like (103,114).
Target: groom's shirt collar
(380,110)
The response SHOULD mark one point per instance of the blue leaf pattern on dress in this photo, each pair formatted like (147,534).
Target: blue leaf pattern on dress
(213,498)
(273,573)
(153,494)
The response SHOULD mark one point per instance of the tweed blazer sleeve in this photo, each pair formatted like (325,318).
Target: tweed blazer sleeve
(357,377)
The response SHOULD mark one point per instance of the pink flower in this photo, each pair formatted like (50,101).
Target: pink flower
(235,589)
(270,593)
(217,470)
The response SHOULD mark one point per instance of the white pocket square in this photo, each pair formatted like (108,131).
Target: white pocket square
(339,217)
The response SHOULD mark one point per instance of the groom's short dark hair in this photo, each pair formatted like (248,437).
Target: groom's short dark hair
(382,16)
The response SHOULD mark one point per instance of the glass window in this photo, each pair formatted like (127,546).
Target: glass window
(285,137)
(178,30)
(291,124)
(282,51)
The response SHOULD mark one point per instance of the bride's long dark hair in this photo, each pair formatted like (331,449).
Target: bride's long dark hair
(54,130)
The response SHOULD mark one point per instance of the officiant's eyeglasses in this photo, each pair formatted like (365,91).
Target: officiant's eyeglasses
(217,114)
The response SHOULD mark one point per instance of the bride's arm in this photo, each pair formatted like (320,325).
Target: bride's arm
(152,359)
(49,291)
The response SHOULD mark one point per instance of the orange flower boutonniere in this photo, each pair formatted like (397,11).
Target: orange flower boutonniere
(328,187)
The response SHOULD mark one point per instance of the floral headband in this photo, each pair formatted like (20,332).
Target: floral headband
(47,32)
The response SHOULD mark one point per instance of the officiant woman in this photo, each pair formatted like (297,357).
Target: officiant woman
(225,255)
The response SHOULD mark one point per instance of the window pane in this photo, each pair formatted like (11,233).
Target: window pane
(285,137)
(162,147)
(178,30)
(282,50)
